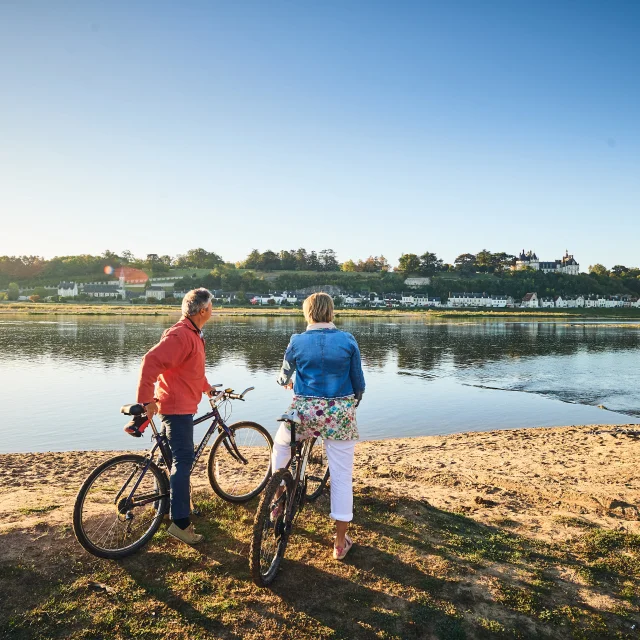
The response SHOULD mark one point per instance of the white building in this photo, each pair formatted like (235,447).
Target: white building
(501,301)
(469,300)
(68,289)
(415,300)
(546,303)
(417,282)
(155,292)
(353,300)
(570,302)
(103,291)
(566,265)
(530,301)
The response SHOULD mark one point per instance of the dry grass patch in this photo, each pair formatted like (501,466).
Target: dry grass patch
(416,572)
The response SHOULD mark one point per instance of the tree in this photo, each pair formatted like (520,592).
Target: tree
(328,260)
(14,291)
(598,270)
(502,261)
(34,298)
(313,264)
(409,264)
(349,266)
(484,261)
(127,256)
(429,264)
(620,270)
(465,262)
(269,261)
(302,260)
(288,260)
(199,259)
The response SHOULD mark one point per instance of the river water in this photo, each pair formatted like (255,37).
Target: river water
(64,378)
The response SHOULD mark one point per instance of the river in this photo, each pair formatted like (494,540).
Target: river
(64,378)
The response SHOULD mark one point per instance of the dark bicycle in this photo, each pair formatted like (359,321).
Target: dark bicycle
(317,476)
(282,500)
(122,503)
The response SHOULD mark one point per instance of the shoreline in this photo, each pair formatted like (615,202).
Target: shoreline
(106,309)
(561,464)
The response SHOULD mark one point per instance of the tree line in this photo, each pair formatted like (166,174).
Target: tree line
(308,268)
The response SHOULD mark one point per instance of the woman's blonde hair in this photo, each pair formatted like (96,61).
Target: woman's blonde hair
(318,307)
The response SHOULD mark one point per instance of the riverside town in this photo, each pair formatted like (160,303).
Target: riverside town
(484,280)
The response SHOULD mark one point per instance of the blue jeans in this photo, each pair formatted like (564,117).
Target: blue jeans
(179,429)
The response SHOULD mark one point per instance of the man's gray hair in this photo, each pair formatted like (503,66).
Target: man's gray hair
(195,300)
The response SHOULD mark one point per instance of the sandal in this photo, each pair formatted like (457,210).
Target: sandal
(339,553)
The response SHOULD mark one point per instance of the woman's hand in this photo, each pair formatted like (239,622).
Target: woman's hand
(289,385)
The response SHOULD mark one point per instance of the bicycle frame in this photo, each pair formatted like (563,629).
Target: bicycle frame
(298,460)
(160,443)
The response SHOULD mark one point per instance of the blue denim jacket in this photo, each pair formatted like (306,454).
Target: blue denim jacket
(327,364)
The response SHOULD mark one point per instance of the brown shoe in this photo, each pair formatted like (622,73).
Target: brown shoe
(187,535)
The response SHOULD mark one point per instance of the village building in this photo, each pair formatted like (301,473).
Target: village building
(501,301)
(156,292)
(530,301)
(103,291)
(68,289)
(465,299)
(414,283)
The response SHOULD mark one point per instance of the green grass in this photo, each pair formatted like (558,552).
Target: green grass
(27,511)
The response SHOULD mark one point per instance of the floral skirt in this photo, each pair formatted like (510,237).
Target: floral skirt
(333,418)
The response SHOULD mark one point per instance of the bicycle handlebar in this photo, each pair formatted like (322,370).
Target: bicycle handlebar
(240,396)
(230,395)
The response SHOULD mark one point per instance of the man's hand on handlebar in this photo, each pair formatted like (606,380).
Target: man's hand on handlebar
(151,408)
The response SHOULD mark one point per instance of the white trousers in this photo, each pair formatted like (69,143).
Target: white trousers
(340,458)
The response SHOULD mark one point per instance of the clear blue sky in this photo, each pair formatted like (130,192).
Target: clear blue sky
(367,127)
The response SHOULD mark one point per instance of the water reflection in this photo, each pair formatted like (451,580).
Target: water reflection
(409,363)
(260,342)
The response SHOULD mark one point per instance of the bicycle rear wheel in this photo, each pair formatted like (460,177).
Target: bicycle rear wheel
(230,477)
(317,473)
(109,520)
(270,536)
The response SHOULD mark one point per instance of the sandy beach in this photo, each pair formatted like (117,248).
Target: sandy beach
(519,533)
(529,478)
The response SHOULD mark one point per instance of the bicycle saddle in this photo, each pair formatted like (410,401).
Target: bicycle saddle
(132,409)
(292,416)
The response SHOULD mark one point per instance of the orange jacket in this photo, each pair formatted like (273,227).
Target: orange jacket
(176,363)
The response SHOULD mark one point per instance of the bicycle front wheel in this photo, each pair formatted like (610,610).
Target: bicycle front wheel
(238,478)
(120,506)
(269,539)
(317,470)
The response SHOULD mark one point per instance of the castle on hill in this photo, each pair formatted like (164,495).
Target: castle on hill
(566,265)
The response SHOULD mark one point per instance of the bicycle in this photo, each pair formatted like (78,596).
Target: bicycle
(123,501)
(317,471)
(282,500)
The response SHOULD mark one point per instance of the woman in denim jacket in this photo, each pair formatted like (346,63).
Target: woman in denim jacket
(329,384)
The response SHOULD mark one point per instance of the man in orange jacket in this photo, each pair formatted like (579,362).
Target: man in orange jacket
(175,367)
